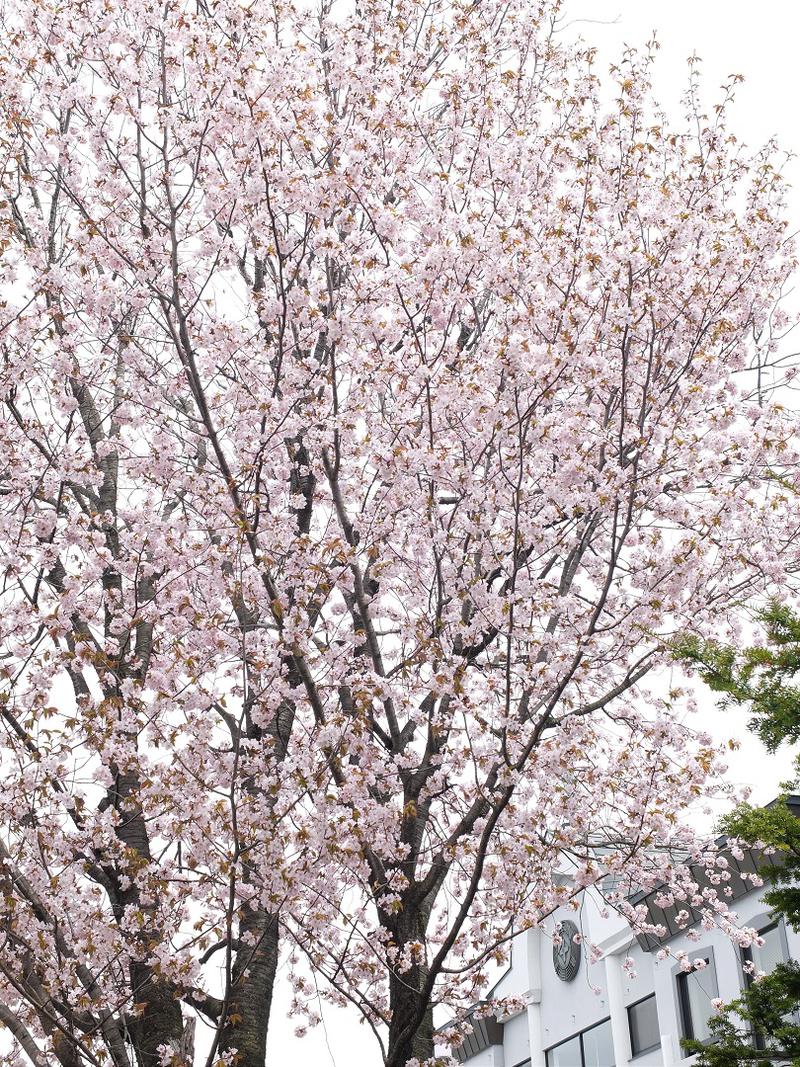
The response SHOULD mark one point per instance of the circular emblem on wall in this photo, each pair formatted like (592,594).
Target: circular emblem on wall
(567,955)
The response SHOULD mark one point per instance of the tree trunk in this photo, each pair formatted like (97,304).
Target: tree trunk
(253,973)
(252,983)
(411,1026)
(405,1043)
(159,1020)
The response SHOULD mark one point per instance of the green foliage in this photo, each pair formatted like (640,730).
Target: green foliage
(778,828)
(766,1009)
(763,678)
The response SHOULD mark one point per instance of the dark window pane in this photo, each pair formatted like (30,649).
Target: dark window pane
(598,1046)
(567,1054)
(767,956)
(696,990)
(643,1023)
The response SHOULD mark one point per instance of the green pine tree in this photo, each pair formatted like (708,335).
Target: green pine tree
(761,1026)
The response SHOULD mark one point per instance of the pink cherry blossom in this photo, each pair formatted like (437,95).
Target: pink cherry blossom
(376,406)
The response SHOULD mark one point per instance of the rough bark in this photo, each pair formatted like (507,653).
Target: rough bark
(408,1037)
(159,1019)
(418,1043)
(253,979)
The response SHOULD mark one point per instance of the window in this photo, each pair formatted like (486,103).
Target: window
(695,992)
(592,1048)
(643,1025)
(767,956)
(598,1046)
(567,1054)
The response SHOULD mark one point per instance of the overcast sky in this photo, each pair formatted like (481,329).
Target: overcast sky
(758,41)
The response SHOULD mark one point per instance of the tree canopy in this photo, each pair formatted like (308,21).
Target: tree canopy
(374,412)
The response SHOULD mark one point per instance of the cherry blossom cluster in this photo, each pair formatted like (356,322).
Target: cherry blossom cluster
(375,409)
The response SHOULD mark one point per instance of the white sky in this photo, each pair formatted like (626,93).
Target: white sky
(758,41)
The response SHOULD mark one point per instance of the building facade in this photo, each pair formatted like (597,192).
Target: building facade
(596,1014)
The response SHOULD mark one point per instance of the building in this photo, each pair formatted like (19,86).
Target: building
(636,1021)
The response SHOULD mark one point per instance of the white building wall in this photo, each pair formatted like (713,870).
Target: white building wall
(516,1042)
(557,1010)
(568,1007)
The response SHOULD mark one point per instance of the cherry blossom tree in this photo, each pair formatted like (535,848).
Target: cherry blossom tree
(370,423)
